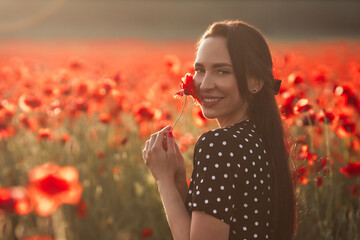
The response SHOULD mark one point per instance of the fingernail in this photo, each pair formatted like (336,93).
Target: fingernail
(170,135)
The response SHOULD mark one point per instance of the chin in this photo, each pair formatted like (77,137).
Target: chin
(209,115)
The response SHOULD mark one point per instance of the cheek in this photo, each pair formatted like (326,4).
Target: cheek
(197,81)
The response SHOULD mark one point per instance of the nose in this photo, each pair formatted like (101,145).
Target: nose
(205,82)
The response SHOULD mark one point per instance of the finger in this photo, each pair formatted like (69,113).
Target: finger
(161,134)
(171,143)
(177,149)
(143,154)
(147,145)
(146,149)
(152,140)
(154,135)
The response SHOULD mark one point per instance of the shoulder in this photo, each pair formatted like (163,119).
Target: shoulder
(214,139)
(243,134)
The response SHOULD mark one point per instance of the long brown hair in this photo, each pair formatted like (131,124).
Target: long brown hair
(250,56)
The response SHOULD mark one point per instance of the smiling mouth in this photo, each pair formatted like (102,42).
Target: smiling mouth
(210,100)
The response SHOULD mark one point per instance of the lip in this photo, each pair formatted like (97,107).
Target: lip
(210,104)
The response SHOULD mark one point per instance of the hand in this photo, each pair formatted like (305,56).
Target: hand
(162,164)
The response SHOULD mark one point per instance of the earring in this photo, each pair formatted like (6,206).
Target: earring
(254,90)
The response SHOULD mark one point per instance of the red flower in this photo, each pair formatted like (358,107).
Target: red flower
(105,117)
(15,199)
(302,106)
(100,154)
(144,112)
(355,190)
(187,87)
(295,78)
(81,208)
(352,169)
(319,181)
(147,232)
(32,101)
(81,104)
(326,116)
(346,129)
(287,108)
(300,174)
(44,133)
(51,186)
(65,137)
(6,201)
(25,120)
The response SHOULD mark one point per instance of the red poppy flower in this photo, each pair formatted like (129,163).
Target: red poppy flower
(147,232)
(349,94)
(105,117)
(81,209)
(143,112)
(326,116)
(319,181)
(32,101)
(65,137)
(22,204)
(302,106)
(100,154)
(355,190)
(346,129)
(303,180)
(44,133)
(6,201)
(321,163)
(295,79)
(172,62)
(15,199)
(50,186)
(25,121)
(351,170)
(300,174)
(287,108)
(81,104)
(187,87)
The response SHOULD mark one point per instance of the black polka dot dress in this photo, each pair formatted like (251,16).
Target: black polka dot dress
(232,180)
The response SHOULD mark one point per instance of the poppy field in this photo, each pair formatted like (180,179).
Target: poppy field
(74,117)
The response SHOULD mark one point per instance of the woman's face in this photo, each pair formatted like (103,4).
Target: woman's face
(216,84)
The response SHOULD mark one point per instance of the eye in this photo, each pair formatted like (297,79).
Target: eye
(222,72)
(199,70)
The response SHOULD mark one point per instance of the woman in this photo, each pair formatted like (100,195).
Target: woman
(241,186)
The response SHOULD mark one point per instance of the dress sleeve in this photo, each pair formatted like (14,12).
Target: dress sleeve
(214,179)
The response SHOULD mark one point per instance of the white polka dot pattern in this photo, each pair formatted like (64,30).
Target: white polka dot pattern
(231,180)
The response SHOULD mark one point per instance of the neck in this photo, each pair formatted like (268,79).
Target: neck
(226,122)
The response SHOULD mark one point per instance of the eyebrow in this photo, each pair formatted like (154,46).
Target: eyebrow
(215,65)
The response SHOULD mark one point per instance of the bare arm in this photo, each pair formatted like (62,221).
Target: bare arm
(176,213)
(164,167)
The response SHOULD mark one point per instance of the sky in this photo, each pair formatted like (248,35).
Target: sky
(175,19)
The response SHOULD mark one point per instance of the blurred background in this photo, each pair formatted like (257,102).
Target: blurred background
(84,83)
(289,20)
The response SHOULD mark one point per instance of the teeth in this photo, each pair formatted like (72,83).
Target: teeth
(212,99)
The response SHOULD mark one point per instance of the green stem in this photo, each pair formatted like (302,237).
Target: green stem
(327,147)
(311,132)
(182,110)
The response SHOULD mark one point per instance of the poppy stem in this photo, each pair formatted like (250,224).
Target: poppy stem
(182,110)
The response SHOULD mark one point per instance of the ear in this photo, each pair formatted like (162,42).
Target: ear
(254,85)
